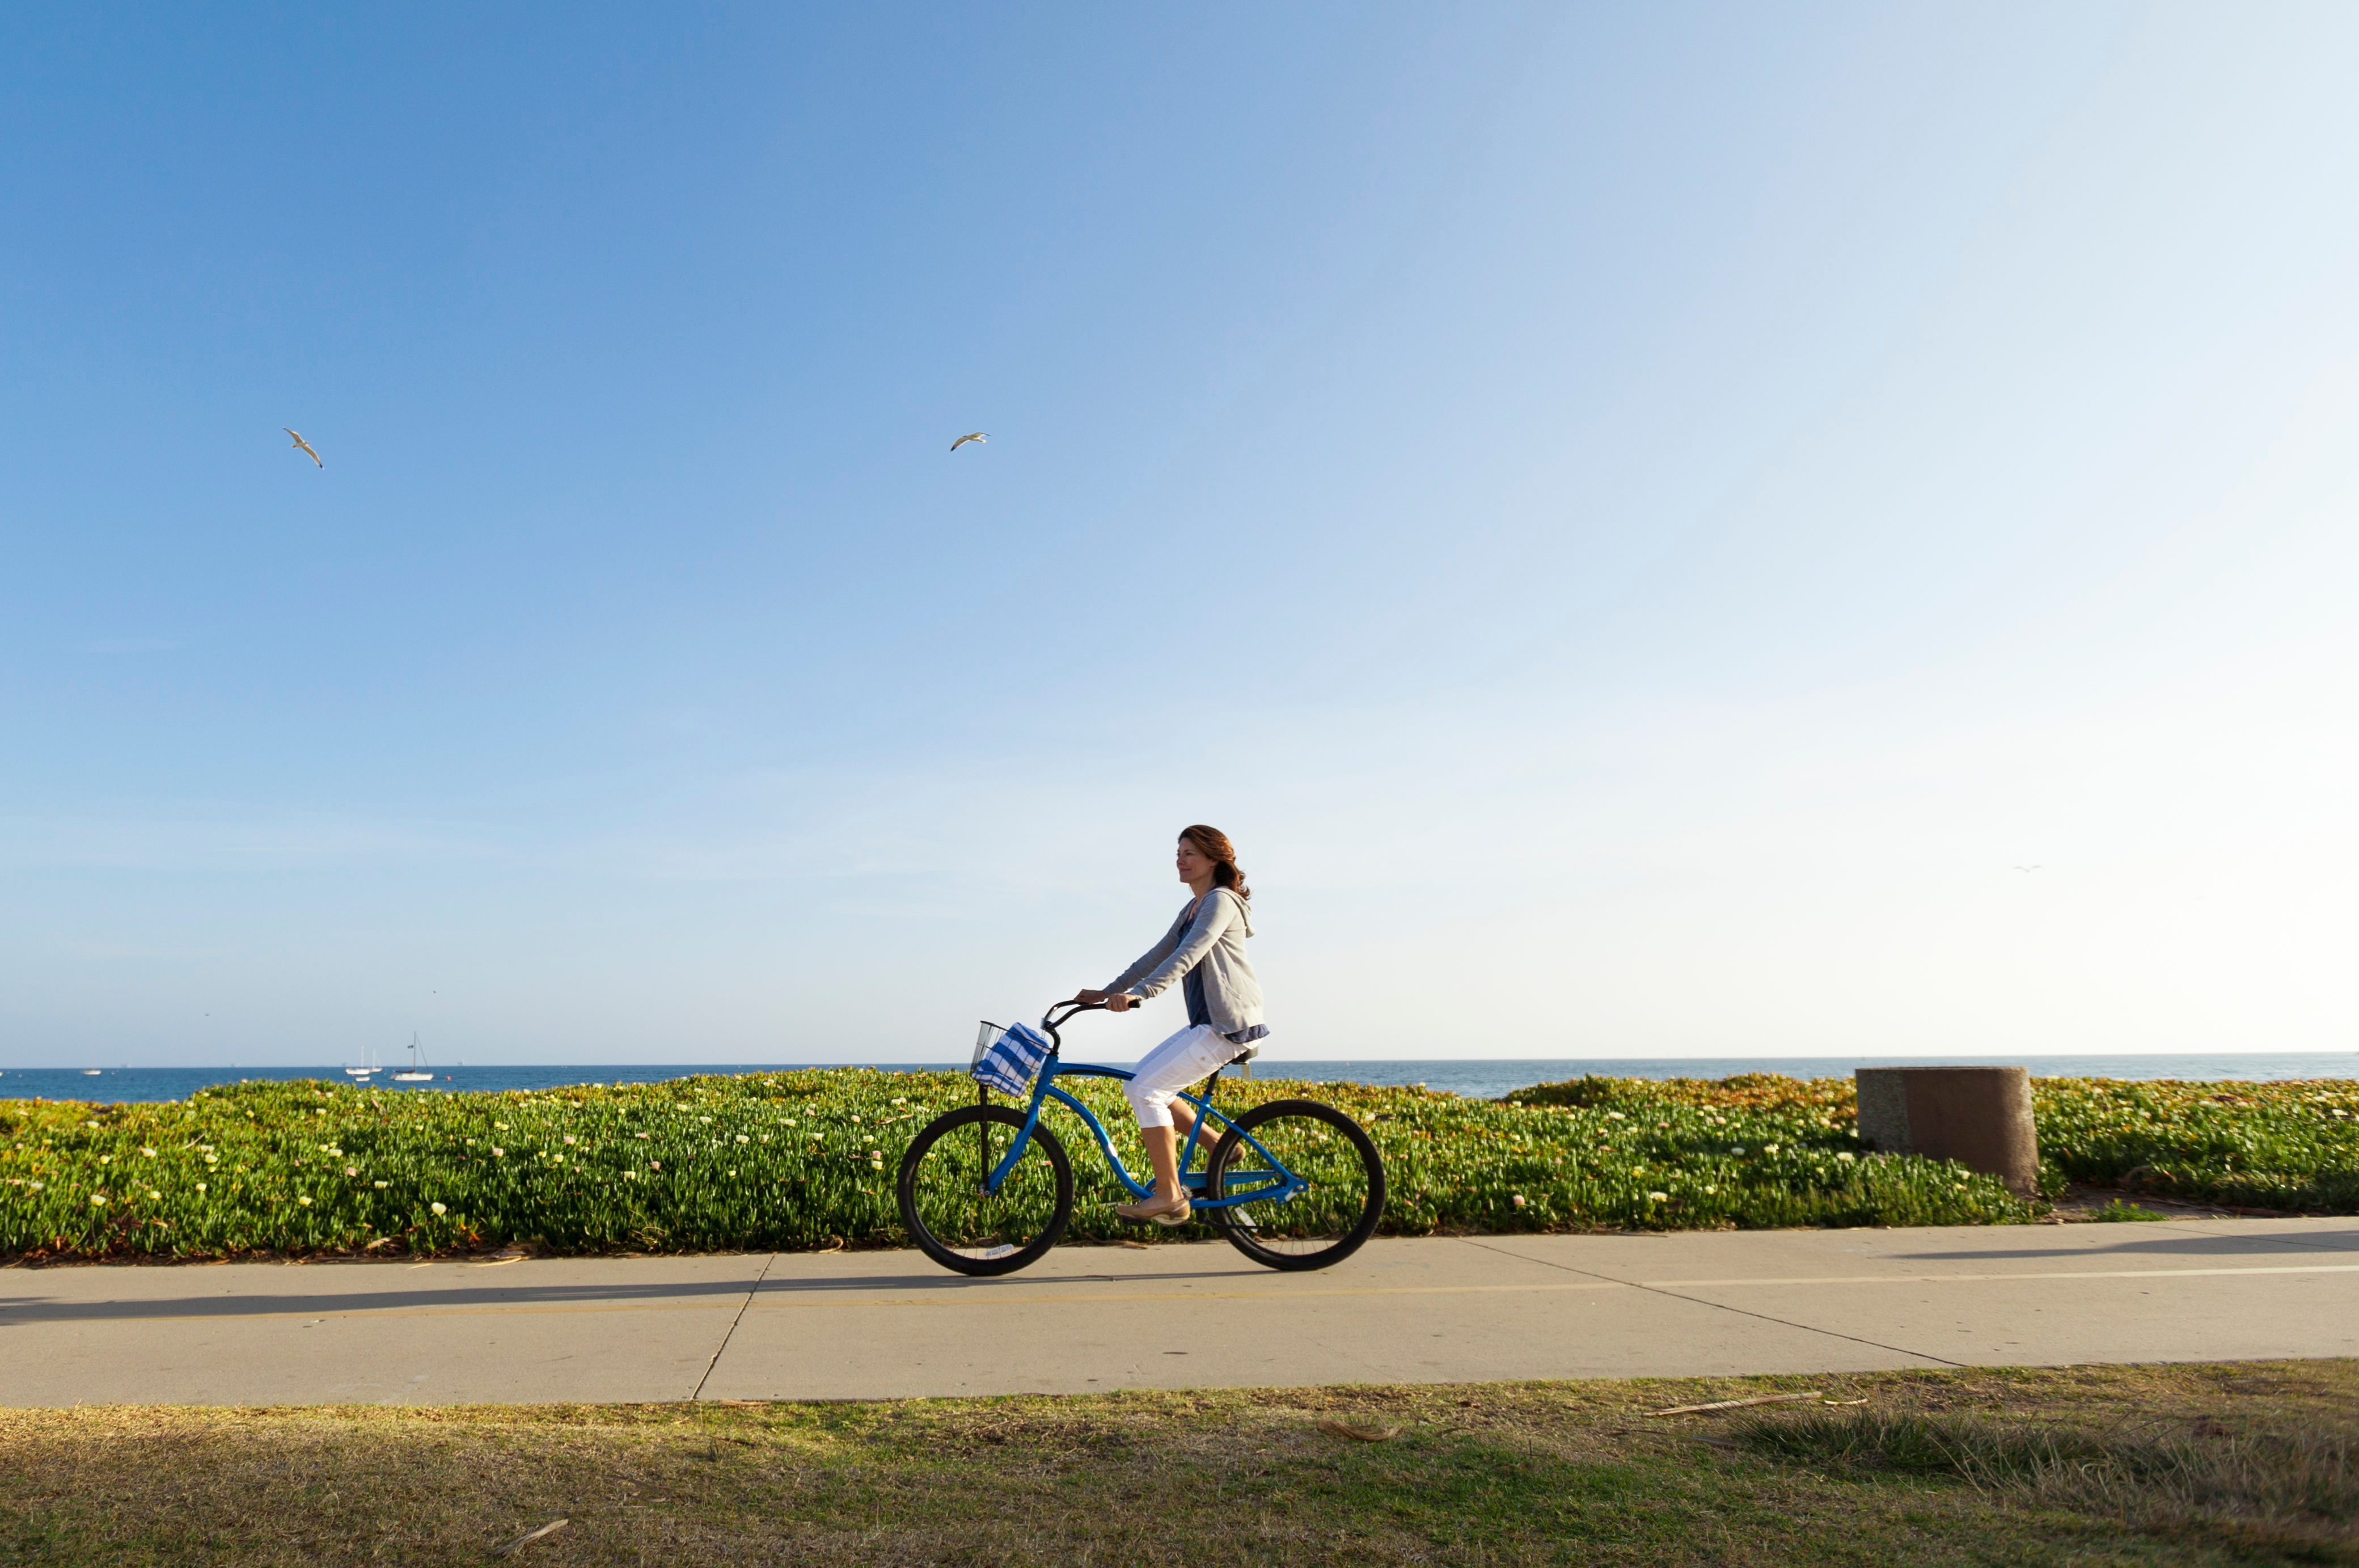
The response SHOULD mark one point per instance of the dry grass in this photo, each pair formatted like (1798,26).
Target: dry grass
(2241,1463)
(2292,1485)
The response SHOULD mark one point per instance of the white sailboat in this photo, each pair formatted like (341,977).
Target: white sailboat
(417,1072)
(367,1068)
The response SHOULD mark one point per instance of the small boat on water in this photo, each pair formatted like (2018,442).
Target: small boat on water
(417,1072)
(367,1068)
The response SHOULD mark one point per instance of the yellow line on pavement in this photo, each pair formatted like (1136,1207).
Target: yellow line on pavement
(2042,1274)
(1275,1290)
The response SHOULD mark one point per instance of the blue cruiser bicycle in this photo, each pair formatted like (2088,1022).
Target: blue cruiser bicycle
(987,1189)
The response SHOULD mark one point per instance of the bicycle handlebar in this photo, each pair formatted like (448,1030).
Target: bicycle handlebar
(1051,1020)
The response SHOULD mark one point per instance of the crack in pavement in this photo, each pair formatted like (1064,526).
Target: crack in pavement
(751,1290)
(1722,1306)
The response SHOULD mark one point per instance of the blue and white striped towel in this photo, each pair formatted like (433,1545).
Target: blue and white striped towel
(1008,1063)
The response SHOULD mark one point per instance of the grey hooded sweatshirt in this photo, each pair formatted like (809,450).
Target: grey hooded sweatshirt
(1213,944)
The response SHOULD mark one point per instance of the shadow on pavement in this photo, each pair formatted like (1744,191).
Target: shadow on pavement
(2242,1247)
(24,1309)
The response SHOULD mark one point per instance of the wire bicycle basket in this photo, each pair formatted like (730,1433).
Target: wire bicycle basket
(1007,1058)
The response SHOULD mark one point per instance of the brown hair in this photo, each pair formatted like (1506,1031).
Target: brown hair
(1214,845)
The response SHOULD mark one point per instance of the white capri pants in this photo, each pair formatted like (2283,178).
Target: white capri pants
(1194,1052)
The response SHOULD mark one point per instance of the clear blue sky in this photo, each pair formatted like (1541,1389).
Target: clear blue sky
(1638,520)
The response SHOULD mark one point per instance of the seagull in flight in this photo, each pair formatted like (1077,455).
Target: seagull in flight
(305,446)
(978,437)
(2027,868)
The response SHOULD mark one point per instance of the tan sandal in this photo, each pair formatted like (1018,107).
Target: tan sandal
(1162,1210)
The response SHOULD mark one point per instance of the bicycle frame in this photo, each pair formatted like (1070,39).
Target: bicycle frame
(1281,1183)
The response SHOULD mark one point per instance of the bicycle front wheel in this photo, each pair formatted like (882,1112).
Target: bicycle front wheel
(955,1222)
(1340,1194)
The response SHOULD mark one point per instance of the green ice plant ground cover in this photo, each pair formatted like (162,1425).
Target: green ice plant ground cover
(2292,1147)
(805,1159)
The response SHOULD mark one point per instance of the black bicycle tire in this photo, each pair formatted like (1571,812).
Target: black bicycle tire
(905,1194)
(1223,1219)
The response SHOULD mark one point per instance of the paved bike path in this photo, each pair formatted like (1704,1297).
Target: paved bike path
(887,1325)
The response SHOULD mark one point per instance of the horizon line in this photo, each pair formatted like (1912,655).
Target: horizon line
(1258,1062)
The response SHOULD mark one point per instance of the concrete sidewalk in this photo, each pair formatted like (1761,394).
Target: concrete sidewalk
(886,1324)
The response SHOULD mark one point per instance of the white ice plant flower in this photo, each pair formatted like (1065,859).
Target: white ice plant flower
(438,1208)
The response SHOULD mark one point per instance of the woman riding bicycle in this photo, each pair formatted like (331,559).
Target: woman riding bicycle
(1205,950)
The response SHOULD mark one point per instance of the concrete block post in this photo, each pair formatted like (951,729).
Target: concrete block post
(1979,1117)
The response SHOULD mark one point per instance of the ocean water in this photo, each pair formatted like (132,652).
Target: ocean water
(1483,1079)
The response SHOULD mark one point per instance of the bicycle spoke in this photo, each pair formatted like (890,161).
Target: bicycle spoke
(948,1211)
(1309,1186)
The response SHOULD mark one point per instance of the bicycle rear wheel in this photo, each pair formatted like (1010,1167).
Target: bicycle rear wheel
(954,1221)
(1326,1221)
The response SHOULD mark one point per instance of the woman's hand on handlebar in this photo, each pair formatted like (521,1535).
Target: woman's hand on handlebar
(1111,1001)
